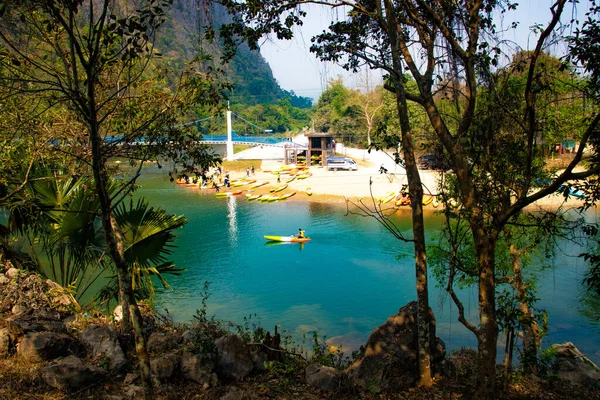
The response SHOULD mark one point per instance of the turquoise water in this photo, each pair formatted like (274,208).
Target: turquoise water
(344,283)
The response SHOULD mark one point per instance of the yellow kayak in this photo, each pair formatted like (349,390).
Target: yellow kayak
(278,188)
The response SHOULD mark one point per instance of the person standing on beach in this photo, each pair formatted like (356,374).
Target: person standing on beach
(278,177)
(252,169)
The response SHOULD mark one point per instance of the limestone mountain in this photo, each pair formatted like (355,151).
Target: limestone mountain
(181,38)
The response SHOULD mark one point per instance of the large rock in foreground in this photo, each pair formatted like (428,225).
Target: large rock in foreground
(71,374)
(391,353)
(234,360)
(572,366)
(103,343)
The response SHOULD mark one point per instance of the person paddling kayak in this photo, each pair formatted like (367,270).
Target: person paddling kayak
(301,234)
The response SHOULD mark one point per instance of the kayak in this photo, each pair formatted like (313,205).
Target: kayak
(279,188)
(387,197)
(255,185)
(285,196)
(286,239)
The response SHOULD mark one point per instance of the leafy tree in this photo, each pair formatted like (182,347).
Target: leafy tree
(95,58)
(450,47)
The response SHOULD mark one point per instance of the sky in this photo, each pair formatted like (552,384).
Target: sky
(298,70)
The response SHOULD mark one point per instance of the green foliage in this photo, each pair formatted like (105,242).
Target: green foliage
(323,354)
(592,277)
(545,363)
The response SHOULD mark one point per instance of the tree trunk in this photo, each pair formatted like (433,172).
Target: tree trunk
(415,189)
(531,330)
(114,243)
(508,355)
(487,337)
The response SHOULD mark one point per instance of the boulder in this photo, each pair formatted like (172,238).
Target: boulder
(19,326)
(572,366)
(197,368)
(164,366)
(45,346)
(12,273)
(390,354)
(118,313)
(71,374)
(19,309)
(159,342)
(102,342)
(324,378)
(259,356)
(234,360)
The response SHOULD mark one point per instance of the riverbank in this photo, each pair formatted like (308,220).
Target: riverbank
(365,184)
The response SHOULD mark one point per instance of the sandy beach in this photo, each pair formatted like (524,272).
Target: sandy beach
(338,186)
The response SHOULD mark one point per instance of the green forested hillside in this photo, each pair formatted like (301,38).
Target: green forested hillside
(181,38)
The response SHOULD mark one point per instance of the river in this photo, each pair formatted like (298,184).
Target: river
(345,282)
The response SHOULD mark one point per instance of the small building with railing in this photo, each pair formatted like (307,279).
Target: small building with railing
(321,145)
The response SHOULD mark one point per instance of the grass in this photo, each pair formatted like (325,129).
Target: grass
(240,165)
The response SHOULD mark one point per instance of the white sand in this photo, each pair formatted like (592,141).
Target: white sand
(336,186)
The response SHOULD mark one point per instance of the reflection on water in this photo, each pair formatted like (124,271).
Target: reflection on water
(343,283)
(231,217)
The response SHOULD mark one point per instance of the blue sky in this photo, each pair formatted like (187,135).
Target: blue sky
(295,68)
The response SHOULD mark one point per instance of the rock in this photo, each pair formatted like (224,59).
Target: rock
(159,342)
(44,346)
(18,310)
(259,356)
(12,273)
(102,342)
(19,326)
(118,313)
(188,337)
(234,393)
(390,355)
(324,378)
(234,360)
(165,366)
(4,342)
(197,368)
(3,279)
(572,366)
(71,374)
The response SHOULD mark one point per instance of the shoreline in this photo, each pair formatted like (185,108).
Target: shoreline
(366,184)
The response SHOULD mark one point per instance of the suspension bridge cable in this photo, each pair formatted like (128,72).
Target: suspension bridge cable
(248,122)
(194,122)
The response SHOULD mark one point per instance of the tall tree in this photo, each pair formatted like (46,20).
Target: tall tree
(95,58)
(457,42)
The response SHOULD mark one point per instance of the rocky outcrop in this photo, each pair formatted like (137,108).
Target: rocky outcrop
(234,359)
(198,368)
(164,367)
(37,321)
(160,342)
(102,342)
(45,346)
(572,366)
(390,354)
(71,374)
